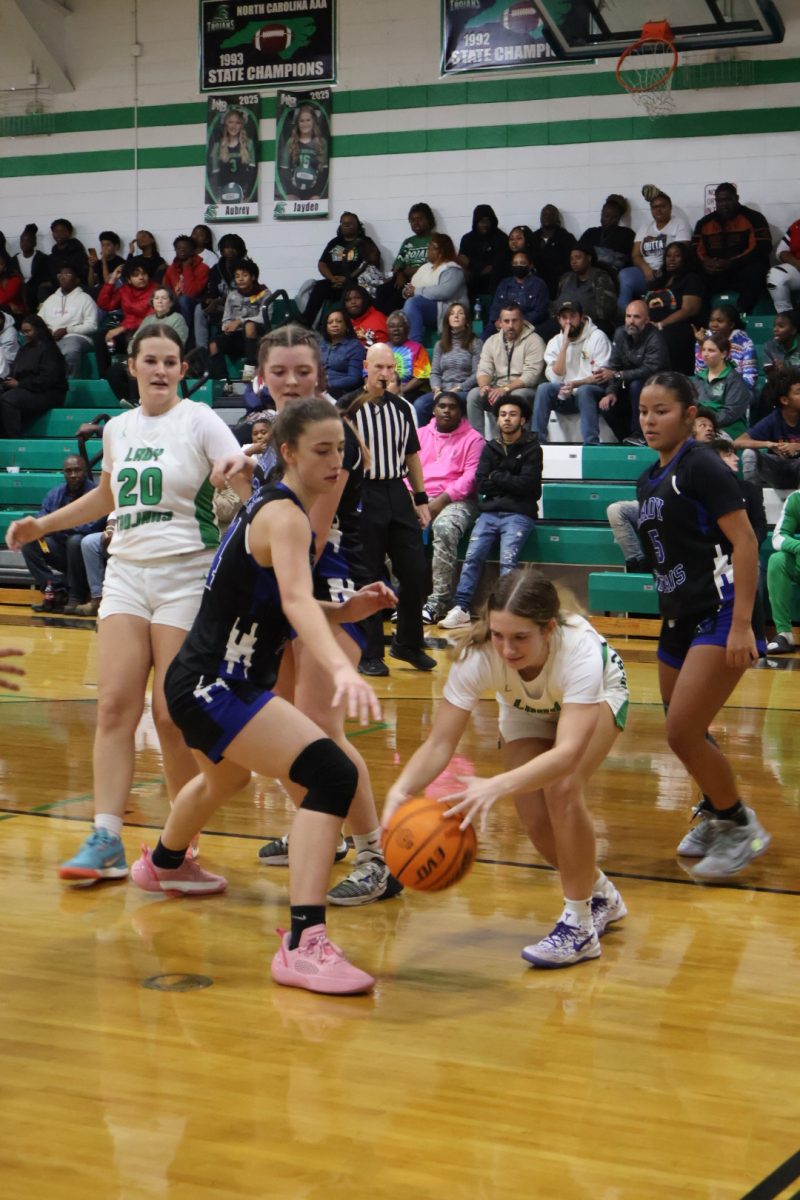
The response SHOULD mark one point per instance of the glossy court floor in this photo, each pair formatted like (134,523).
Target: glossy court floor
(145,1052)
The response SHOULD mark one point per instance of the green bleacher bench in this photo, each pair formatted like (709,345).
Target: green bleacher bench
(759,329)
(37,454)
(62,422)
(27,489)
(89,365)
(7,515)
(91,393)
(581,501)
(563,461)
(724,298)
(617,592)
(578,545)
(205,393)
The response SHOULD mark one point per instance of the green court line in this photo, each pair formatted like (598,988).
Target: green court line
(369,729)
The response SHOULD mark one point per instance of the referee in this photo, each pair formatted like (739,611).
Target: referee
(390,521)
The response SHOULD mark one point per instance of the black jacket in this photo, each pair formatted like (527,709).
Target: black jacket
(509,478)
(40,367)
(637,358)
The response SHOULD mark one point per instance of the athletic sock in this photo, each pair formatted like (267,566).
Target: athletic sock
(602,885)
(706,806)
(368,846)
(579,913)
(304,916)
(785,633)
(109,822)
(736,813)
(167,860)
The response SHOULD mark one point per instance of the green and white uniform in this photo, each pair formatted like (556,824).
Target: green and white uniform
(783,568)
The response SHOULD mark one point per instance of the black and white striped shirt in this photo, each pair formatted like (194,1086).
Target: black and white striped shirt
(388,430)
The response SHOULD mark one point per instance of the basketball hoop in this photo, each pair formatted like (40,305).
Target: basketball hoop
(647,67)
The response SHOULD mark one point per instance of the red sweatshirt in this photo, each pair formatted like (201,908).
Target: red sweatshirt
(134,302)
(193,272)
(12,295)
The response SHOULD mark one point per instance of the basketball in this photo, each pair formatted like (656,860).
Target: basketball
(271,39)
(426,850)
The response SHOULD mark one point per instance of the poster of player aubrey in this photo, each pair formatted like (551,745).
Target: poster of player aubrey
(302,153)
(232,157)
(266,44)
(493,35)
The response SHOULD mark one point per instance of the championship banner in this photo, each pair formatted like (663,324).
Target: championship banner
(302,153)
(267,44)
(232,157)
(493,35)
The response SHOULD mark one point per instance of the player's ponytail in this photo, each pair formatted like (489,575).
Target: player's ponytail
(526,593)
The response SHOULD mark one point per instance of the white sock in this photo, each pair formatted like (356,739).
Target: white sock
(579,912)
(368,845)
(109,822)
(786,633)
(602,885)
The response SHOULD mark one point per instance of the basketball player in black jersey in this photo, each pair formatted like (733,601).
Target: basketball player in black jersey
(696,534)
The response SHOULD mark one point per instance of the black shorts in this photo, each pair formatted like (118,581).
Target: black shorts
(210,712)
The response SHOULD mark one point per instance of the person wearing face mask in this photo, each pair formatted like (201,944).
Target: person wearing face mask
(571,359)
(637,352)
(523,287)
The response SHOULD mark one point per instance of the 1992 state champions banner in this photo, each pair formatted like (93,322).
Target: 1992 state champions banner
(266,44)
(493,35)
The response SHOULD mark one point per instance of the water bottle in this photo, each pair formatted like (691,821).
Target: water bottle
(477,312)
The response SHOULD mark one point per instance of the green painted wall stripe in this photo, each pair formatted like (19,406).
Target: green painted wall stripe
(434,95)
(479,137)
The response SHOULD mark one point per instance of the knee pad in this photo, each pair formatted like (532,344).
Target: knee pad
(329,777)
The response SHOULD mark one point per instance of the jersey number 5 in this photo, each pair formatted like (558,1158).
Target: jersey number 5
(149,487)
(658,549)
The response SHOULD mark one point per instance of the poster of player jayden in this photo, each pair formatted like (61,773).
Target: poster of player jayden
(493,35)
(302,153)
(232,157)
(266,44)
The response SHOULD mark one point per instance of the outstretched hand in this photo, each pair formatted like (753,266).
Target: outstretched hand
(229,465)
(476,797)
(359,700)
(19,533)
(367,601)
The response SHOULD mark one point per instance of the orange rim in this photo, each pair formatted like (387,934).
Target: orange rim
(654,33)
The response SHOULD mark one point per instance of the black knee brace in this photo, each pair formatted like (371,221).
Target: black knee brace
(328,775)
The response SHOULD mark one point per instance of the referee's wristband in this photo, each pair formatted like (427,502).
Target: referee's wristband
(420,498)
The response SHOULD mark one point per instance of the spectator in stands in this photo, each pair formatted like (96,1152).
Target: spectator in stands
(144,248)
(725,319)
(187,275)
(783,348)
(733,245)
(776,437)
(34,266)
(94,551)
(571,358)
(648,254)
(512,360)
(706,425)
(483,253)
(12,286)
(203,240)
(783,575)
(449,452)
(521,237)
(369,325)
(753,497)
(57,566)
(342,354)
(121,382)
(220,281)
(719,387)
(67,252)
(784,279)
(9,343)
(591,286)
(523,287)
(342,261)
(242,319)
(637,352)
(623,517)
(436,284)
(132,294)
(411,358)
(509,484)
(71,315)
(103,266)
(38,379)
(410,257)
(551,245)
(613,245)
(455,361)
(675,301)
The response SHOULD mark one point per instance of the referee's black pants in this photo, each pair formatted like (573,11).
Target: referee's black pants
(389,525)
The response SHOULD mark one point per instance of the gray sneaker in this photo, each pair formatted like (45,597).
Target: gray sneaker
(697,842)
(732,848)
(368,881)
(276,852)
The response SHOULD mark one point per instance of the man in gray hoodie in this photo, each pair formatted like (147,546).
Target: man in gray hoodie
(512,360)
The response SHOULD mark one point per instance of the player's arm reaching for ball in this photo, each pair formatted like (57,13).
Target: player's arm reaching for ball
(432,757)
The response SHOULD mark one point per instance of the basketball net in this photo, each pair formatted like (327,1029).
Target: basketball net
(646,69)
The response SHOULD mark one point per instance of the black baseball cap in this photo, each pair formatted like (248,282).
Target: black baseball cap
(571,306)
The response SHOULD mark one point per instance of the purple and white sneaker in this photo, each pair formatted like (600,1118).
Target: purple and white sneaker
(563,946)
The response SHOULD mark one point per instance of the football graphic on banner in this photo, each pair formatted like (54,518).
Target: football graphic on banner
(271,39)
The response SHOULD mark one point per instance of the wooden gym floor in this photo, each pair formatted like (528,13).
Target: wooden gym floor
(145,1052)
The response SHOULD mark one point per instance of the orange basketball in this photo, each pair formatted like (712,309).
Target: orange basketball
(426,850)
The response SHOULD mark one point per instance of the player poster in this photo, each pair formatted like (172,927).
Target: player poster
(232,157)
(493,35)
(302,153)
(266,44)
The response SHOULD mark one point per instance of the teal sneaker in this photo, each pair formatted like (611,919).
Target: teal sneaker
(102,856)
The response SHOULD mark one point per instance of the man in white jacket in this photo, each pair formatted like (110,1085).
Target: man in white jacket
(570,358)
(71,315)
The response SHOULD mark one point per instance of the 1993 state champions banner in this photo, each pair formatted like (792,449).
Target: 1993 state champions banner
(266,44)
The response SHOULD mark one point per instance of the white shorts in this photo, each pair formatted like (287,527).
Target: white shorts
(166,591)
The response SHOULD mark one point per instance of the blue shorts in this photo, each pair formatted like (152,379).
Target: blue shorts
(210,712)
(678,636)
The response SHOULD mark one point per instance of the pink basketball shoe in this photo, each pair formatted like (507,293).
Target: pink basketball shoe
(318,965)
(187,880)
